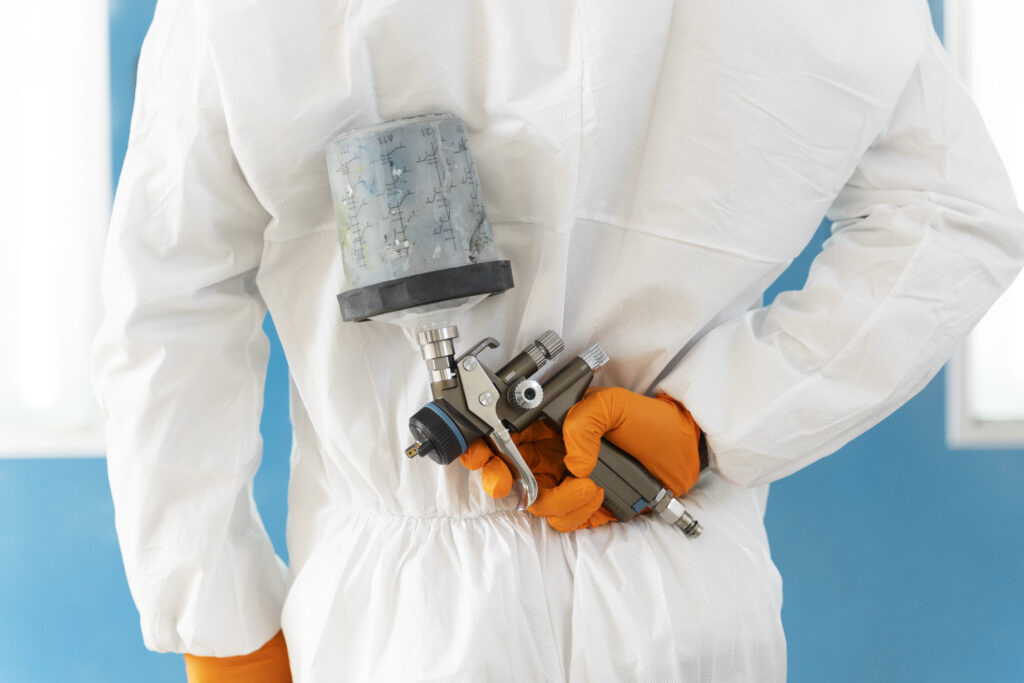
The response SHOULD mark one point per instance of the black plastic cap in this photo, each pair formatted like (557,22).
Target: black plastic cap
(429,427)
(489,277)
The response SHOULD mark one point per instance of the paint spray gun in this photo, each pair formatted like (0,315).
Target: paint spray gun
(472,401)
(418,249)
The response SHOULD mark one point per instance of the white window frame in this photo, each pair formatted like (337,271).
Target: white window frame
(55,181)
(963,429)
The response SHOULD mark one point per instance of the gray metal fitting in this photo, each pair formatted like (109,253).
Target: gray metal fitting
(675,513)
(437,342)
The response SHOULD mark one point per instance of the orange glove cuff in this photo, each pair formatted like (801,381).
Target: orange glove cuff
(269,664)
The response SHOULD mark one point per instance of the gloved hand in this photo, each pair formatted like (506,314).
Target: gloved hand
(568,503)
(659,432)
(269,664)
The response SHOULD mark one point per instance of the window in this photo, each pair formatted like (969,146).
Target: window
(55,198)
(985,391)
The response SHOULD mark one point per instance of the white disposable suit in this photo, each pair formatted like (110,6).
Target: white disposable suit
(649,169)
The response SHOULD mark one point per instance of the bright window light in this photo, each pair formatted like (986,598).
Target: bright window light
(986,391)
(55,198)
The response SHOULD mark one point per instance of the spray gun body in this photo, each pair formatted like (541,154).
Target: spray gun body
(471,401)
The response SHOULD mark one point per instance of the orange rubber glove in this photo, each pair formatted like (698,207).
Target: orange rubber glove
(567,503)
(659,432)
(269,664)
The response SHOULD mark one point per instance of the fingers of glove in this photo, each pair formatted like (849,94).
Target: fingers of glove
(496,478)
(661,434)
(602,516)
(570,495)
(541,448)
(650,425)
(477,455)
(480,451)
(600,411)
(581,517)
(539,430)
(546,459)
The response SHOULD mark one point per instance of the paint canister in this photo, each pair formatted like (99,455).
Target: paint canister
(412,227)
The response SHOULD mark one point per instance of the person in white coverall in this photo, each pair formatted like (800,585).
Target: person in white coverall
(648,169)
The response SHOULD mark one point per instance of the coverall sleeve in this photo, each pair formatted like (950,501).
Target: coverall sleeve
(926,235)
(180,360)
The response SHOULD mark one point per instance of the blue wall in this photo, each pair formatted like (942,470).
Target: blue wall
(902,560)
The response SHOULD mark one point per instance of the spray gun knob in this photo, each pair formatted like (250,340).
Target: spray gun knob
(526,394)
(594,356)
(546,347)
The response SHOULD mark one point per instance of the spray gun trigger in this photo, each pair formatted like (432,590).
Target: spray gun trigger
(522,494)
(525,484)
(477,385)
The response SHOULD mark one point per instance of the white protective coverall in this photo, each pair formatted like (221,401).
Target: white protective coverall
(649,169)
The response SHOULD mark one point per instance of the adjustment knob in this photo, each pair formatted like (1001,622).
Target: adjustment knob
(526,394)
(551,343)
(546,347)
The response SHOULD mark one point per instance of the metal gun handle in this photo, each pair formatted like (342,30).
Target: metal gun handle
(629,489)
